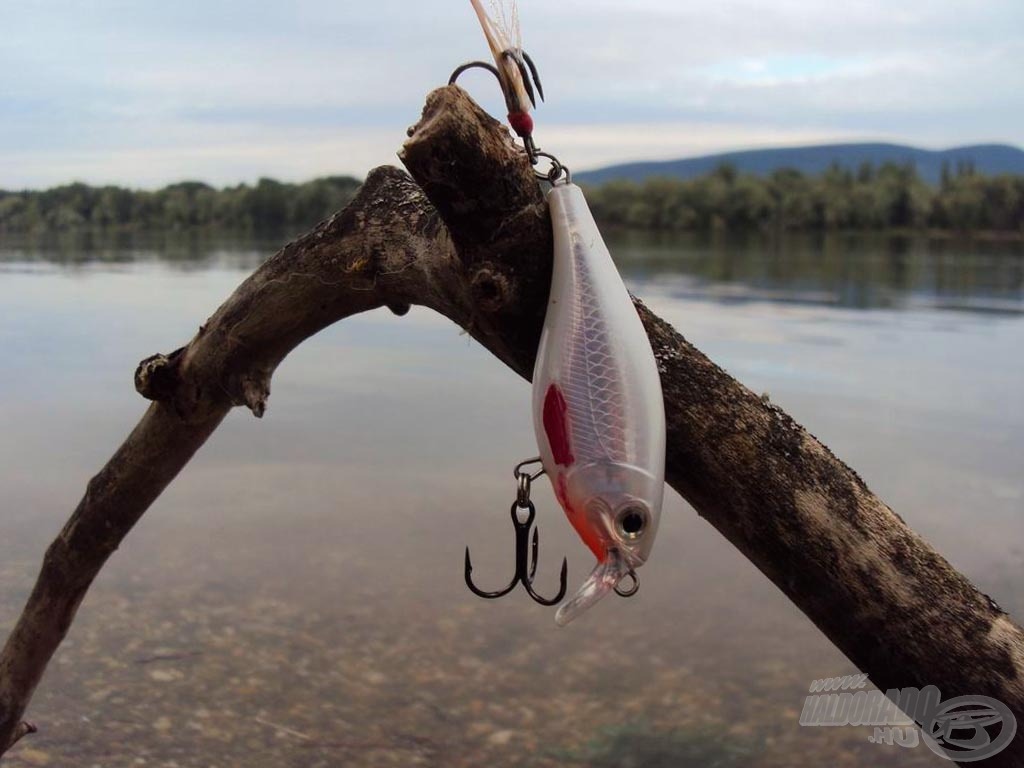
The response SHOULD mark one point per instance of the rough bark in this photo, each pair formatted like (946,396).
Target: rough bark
(470,239)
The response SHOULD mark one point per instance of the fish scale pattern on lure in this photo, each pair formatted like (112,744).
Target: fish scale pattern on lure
(598,410)
(595,395)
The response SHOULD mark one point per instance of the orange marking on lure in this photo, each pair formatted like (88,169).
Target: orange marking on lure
(586,532)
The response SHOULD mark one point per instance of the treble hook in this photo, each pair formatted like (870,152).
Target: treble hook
(531,80)
(527,548)
(527,70)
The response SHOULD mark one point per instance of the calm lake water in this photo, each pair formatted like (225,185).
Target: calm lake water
(296,597)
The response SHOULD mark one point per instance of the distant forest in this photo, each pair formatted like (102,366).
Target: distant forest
(268,206)
(870,198)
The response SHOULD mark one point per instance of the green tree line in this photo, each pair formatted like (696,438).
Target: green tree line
(870,198)
(268,205)
(887,197)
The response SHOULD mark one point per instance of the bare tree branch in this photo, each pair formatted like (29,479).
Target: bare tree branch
(471,239)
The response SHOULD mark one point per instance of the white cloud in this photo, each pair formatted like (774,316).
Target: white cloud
(143,93)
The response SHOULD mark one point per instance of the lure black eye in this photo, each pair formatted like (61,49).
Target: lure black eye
(631,522)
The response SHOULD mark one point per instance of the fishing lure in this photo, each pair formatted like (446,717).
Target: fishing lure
(598,410)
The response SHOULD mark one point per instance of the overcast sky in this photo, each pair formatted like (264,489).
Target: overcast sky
(144,93)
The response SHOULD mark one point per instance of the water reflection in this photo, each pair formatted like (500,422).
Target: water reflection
(845,270)
(184,249)
(863,271)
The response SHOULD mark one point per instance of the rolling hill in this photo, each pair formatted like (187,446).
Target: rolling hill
(987,159)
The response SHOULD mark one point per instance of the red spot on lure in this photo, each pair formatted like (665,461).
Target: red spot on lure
(556,426)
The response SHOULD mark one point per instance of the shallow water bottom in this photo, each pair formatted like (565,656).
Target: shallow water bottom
(227,633)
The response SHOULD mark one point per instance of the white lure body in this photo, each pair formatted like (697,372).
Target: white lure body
(598,410)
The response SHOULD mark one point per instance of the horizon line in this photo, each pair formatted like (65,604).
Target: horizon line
(606,167)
